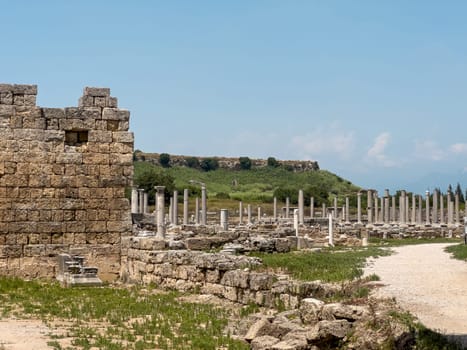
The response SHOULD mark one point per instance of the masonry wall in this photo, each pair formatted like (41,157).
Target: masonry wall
(63,173)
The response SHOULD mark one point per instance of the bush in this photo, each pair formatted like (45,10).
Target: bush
(272,162)
(192,162)
(209,164)
(245,163)
(222,195)
(164,160)
(152,176)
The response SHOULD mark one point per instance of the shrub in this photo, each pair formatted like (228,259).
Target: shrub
(209,164)
(149,177)
(192,162)
(245,163)
(164,160)
(272,162)
(222,195)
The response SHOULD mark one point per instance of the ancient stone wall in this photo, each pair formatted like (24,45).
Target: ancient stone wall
(147,260)
(230,163)
(63,173)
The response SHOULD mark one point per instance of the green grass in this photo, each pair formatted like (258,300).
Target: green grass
(329,265)
(112,318)
(458,251)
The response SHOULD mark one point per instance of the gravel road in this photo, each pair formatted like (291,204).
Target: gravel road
(426,281)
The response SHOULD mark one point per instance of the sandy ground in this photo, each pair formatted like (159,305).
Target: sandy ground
(23,335)
(426,281)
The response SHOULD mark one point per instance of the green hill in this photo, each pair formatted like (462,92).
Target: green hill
(256,185)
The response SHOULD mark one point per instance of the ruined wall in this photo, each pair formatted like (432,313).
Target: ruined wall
(230,163)
(224,275)
(63,173)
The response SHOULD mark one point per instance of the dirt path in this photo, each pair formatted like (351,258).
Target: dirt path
(23,335)
(426,281)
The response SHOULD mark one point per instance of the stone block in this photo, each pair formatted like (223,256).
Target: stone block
(235,278)
(24,89)
(122,136)
(96,92)
(261,281)
(115,114)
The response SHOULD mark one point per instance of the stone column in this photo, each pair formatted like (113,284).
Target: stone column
(375,194)
(456,209)
(383,212)
(407,206)
(402,207)
(203,205)
(175,208)
(393,209)
(134,200)
(274,214)
(240,213)
(171,210)
(160,211)
(448,204)
(312,207)
(386,206)
(330,230)
(441,209)
(335,208)
(419,212)
(287,207)
(434,212)
(301,207)
(197,210)
(369,198)
(259,215)
(225,219)
(140,200)
(359,207)
(249,214)
(427,207)
(145,202)
(185,206)
(347,210)
(323,209)
(414,208)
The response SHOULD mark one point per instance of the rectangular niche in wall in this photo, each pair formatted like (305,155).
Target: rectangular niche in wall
(76,137)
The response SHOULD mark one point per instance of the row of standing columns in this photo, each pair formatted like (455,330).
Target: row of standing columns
(380,210)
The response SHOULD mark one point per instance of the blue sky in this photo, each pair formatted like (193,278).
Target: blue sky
(375,91)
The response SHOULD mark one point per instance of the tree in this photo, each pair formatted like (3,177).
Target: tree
(164,160)
(272,162)
(460,193)
(152,176)
(208,164)
(245,163)
(192,162)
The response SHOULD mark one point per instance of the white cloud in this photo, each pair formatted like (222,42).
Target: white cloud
(377,152)
(430,150)
(458,148)
(325,141)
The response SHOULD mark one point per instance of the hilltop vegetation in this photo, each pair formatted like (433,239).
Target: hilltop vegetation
(251,185)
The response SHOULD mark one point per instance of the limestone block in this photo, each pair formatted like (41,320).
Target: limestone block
(18,100)
(115,114)
(212,276)
(34,250)
(95,158)
(76,124)
(69,158)
(123,136)
(79,237)
(335,311)
(236,278)
(83,113)
(86,101)
(100,136)
(261,327)
(310,310)
(96,92)
(230,293)
(282,245)
(328,330)
(264,342)
(198,243)
(23,89)
(261,281)
(123,159)
(11,251)
(6,98)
